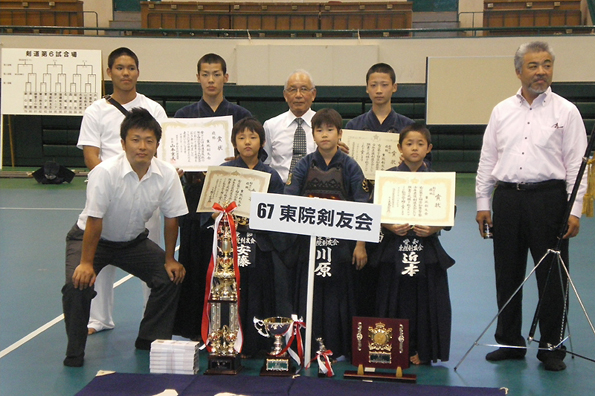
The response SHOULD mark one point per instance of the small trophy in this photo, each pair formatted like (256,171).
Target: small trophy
(278,363)
(223,307)
(325,365)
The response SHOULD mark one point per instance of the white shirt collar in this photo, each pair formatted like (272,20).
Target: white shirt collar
(126,168)
(307,117)
(540,99)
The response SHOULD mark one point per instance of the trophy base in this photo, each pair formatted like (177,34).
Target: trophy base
(277,367)
(321,374)
(396,376)
(224,365)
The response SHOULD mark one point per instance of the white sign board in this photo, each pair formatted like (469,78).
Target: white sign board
(49,81)
(453,83)
(315,216)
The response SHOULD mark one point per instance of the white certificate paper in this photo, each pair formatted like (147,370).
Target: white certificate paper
(226,184)
(194,144)
(373,151)
(416,198)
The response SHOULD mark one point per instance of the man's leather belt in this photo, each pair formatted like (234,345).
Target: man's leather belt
(544,185)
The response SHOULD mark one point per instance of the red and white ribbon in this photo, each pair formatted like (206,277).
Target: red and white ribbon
(295,333)
(324,362)
(206,313)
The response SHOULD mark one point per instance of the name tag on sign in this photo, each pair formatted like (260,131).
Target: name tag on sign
(315,216)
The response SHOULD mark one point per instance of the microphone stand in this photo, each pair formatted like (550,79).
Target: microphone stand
(556,252)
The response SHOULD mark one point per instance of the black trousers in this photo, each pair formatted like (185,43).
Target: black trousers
(529,221)
(142,258)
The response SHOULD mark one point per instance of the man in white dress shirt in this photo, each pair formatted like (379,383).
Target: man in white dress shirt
(299,93)
(122,194)
(532,151)
(99,139)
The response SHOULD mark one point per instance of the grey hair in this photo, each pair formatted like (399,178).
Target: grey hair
(533,46)
(300,71)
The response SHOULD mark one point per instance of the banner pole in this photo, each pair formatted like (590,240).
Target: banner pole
(310,298)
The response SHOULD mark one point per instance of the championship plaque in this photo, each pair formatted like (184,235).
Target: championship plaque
(380,343)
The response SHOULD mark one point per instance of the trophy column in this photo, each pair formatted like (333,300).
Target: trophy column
(224,324)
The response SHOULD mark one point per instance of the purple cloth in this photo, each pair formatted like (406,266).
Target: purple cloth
(135,384)
(199,385)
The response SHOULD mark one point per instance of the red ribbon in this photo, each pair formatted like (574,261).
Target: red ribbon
(297,335)
(324,360)
(206,313)
(323,357)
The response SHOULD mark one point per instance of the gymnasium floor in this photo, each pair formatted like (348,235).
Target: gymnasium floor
(34,220)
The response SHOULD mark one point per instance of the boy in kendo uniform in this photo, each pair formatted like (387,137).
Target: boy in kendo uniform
(412,281)
(254,248)
(329,173)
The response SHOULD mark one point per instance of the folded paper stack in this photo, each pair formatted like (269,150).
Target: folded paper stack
(174,357)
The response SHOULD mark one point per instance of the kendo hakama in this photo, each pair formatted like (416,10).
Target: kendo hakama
(334,299)
(413,284)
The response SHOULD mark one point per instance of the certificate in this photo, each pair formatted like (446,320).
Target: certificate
(372,150)
(226,184)
(416,198)
(194,144)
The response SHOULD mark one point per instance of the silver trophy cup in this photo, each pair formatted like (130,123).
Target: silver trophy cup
(276,326)
(277,363)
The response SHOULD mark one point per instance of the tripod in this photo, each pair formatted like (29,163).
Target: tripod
(562,271)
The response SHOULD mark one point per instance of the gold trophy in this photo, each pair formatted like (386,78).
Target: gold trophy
(278,363)
(223,302)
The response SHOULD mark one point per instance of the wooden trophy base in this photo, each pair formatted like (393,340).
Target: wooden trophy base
(277,367)
(397,376)
(224,365)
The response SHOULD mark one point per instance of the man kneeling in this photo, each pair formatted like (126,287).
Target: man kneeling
(122,194)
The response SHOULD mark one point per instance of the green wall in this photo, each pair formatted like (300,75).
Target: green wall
(435,5)
(127,5)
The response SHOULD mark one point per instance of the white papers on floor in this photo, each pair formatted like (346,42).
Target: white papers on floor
(168,392)
(174,357)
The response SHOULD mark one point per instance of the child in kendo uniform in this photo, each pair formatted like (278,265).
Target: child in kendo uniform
(329,173)
(254,248)
(412,282)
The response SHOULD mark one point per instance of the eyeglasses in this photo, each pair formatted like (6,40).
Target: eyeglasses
(294,90)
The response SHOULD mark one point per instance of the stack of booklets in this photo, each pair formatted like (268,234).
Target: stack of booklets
(174,357)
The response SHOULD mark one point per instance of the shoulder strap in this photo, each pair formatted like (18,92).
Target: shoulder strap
(116,104)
